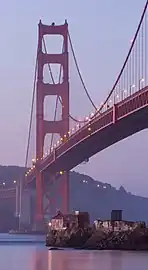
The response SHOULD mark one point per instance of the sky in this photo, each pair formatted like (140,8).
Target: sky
(101,32)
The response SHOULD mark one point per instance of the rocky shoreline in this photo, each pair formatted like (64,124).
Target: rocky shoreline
(99,240)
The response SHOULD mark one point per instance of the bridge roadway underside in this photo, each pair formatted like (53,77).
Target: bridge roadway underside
(102,139)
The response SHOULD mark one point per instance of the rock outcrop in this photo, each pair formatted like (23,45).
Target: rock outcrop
(89,239)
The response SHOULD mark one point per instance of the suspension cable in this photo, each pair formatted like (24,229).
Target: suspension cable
(31,112)
(126,60)
(78,70)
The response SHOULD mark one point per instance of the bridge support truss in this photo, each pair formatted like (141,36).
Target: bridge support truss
(44,127)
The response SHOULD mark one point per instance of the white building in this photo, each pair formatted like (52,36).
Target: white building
(108,225)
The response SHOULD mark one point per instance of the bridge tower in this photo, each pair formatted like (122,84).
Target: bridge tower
(44,127)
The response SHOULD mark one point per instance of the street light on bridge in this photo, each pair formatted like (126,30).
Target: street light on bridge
(131,87)
(141,81)
(33,161)
(123,94)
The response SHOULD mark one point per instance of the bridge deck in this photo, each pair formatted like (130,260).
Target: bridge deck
(118,122)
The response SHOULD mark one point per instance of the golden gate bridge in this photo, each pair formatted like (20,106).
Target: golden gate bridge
(123,113)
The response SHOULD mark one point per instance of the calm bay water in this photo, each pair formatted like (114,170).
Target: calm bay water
(30,253)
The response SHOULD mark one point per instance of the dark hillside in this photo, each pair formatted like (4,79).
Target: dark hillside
(87,194)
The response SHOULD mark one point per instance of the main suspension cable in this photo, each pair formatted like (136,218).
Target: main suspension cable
(31,112)
(80,75)
(127,58)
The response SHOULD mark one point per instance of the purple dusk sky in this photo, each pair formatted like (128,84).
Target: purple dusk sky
(101,32)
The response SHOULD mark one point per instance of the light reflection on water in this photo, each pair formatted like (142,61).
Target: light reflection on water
(37,257)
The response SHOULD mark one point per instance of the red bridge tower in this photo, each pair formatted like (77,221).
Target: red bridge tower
(45,89)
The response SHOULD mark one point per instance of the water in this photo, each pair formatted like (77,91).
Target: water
(30,253)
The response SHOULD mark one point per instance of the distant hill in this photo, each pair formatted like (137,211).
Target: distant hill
(100,198)
(8,174)
(93,196)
